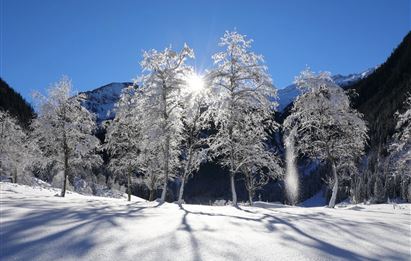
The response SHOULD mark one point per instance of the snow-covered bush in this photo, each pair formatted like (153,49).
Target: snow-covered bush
(220,202)
(81,186)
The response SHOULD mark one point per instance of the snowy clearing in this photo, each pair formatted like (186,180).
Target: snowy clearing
(37,225)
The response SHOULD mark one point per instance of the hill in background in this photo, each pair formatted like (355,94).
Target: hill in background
(13,102)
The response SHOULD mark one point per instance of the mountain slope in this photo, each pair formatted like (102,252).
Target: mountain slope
(13,102)
(101,101)
(383,93)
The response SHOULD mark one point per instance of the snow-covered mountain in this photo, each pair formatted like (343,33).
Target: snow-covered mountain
(101,101)
(289,93)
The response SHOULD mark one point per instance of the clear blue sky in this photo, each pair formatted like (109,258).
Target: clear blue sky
(98,42)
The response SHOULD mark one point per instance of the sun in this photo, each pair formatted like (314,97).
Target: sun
(195,82)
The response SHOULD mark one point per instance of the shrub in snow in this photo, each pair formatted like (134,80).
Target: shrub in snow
(81,186)
(220,202)
(6,178)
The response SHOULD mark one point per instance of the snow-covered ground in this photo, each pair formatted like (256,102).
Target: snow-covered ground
(37,225)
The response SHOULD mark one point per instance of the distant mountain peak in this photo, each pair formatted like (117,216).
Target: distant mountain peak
(288,94)
(101,101)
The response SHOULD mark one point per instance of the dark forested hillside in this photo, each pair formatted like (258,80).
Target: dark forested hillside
(380,96)
(383,93)
(13,102)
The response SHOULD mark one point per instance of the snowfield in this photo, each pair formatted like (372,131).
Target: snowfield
(37,225)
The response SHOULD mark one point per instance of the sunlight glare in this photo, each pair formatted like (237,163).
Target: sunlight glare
(195,83)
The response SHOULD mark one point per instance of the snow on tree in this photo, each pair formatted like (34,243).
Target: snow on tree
(132,142)
(149,164)
(242,86)
(258,162)
(64,130)
(196,122)
(400,151)
(327,128)
(400,148)
(16,150)
(164,75)
(123,137)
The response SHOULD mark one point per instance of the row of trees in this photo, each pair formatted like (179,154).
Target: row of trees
(390,179)
(172,120)
(166,122)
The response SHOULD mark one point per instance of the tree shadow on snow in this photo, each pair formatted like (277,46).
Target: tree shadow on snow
(195,244)
(78,230)
(271,222)
(75,229)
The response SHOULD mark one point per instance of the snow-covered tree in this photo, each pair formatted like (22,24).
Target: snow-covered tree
(64,130)
(196,122)
(259,162)
(327,128)
(242,86)
(401,146)
(150,166)
(15,148)
(123,137)
(400,151)
(164,77)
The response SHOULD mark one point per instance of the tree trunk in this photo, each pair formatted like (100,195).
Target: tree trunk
(66,157)
(250,197)
(63,191)
(15,175)
(234,194)
(151,197)
(335,187)
(180,195)
(167,145)
(185,174)
(129,185)
(164,192)
(166,159)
